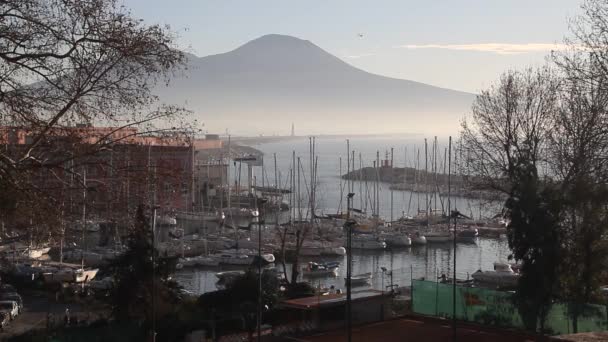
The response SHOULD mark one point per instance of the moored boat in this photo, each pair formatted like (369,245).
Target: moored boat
(36,253)
(199,261)
(360,279)
(367,241)
(438,237)
(503,275)
(418,239)
(397,240)
(314,269)
(467,235)
(226,278)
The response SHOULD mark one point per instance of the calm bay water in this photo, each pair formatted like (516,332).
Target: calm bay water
(424,261)
(428,261)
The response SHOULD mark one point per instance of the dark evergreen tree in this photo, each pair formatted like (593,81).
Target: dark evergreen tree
(533,208)
(142,288)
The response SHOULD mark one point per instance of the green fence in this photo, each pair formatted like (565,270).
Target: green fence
(496,308)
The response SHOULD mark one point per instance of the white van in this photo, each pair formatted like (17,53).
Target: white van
(10,307)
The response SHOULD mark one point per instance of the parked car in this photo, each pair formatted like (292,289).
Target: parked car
(4,320)
(15,297)
(7,288)
(9,307)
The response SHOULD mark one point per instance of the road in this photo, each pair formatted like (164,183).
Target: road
(36,309)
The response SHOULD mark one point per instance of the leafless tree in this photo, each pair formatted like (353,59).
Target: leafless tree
(510,119)
(579,148)
(70,62)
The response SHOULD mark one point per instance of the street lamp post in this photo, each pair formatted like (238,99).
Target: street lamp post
(261,214)
(154,272)
(349,256)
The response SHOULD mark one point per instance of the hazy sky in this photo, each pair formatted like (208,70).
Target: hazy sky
(458,44)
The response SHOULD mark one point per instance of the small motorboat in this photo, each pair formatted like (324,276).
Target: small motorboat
(360,279)
(314,269)
(503,275)
(418,239)
(467,235)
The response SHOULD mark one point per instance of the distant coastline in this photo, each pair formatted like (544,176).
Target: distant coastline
(254,140)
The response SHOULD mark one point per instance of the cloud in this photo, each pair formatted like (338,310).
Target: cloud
(497,48)
(360,55)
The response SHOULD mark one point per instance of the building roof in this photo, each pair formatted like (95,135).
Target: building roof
(420,328)
(331,299)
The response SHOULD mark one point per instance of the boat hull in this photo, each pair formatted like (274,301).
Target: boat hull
(438,238)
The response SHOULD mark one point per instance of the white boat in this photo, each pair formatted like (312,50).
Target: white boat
(165,220)
(318,248)
(502,275)
(200,217)
(467,235)
(95,257)
(69,275)
(314,269)
(36,253)
(85,275)
(360,279)
(397,240)
(233,257)
(199,261)
(268,257)
(418,239)
(438,237)
(336,251)
(311,251)
(367,241)
(241,213)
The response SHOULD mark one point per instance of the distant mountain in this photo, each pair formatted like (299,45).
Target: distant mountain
(270,82)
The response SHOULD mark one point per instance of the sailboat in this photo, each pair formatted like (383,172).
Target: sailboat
(360,279)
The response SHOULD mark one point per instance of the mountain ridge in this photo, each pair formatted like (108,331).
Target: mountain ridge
(267,83)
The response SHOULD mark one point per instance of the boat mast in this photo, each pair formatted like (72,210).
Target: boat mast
(348,166)
(374,192)
(299,194)
(293,186)
(417,178)
(435,169)
(360,182)
(378,184)
(426,181)
(228,180)
(84,214)
(341,188)
(352,160)
(391,187)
